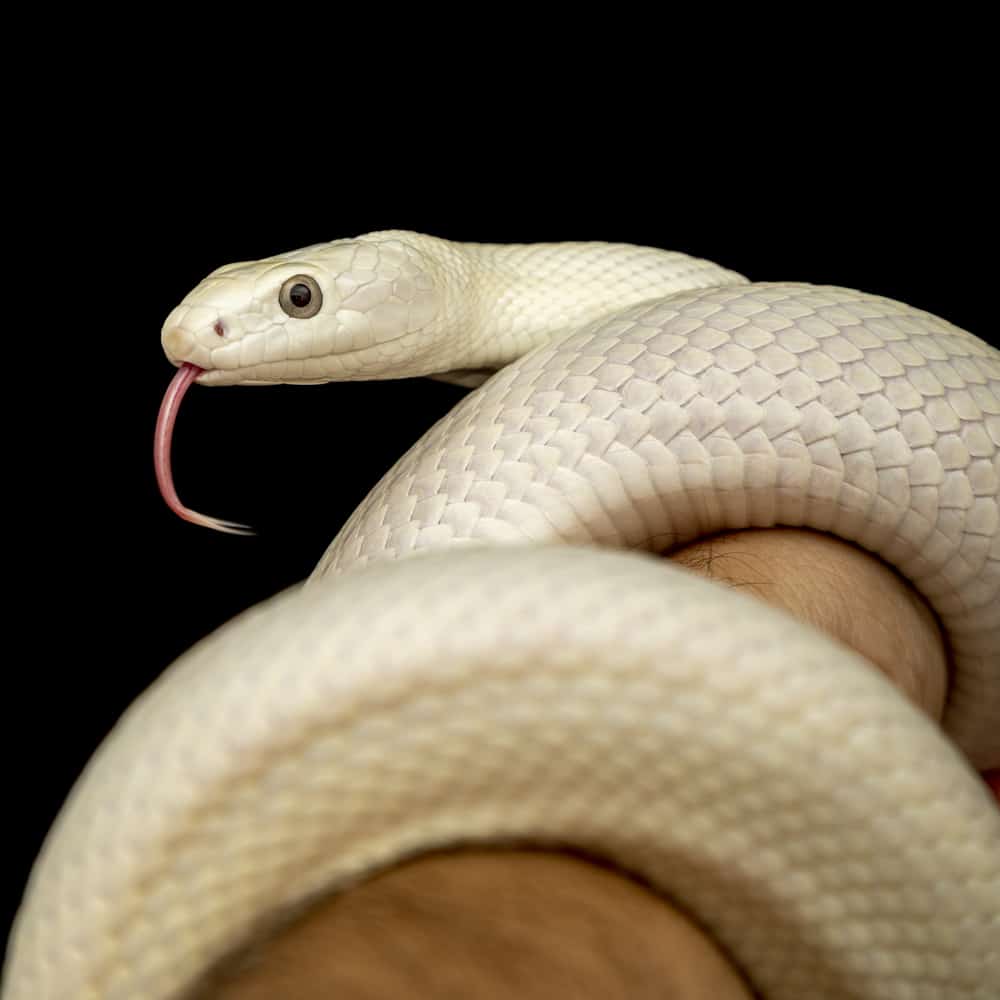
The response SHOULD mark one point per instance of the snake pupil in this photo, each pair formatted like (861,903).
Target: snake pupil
(300,295)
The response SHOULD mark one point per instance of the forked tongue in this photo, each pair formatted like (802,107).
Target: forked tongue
(186,374)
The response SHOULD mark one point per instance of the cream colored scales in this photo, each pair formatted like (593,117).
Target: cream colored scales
(394,704)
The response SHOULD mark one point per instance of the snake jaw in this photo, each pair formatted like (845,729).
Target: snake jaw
(167,417)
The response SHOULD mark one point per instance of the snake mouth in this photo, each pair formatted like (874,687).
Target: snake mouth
(165,421)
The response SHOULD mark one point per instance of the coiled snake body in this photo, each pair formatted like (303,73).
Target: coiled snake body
(525,679)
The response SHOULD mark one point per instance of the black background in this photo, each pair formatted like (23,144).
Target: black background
(108,586)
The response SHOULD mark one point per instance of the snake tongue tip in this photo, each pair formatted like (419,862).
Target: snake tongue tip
(213,523)
(233,528)
(230,529)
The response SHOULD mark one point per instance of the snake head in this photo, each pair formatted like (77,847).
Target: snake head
(347,310)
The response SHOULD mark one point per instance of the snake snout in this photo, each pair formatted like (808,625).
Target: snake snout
(177,343)
(191,332)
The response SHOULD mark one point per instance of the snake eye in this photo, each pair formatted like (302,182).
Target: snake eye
(300,296)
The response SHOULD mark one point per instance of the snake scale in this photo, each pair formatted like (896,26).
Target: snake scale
(486,653)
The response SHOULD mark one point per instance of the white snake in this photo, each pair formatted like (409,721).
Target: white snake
(502,689)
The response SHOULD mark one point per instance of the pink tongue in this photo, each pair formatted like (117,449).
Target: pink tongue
(186,374)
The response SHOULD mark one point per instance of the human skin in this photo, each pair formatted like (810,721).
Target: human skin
(488,924)
(840,589)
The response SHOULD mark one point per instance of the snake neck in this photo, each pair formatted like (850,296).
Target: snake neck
(499,301)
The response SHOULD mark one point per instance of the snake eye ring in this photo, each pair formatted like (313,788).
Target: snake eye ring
(300,296)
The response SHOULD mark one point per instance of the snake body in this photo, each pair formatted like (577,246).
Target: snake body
(487,653)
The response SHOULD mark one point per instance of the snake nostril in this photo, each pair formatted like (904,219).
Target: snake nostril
(219,328)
